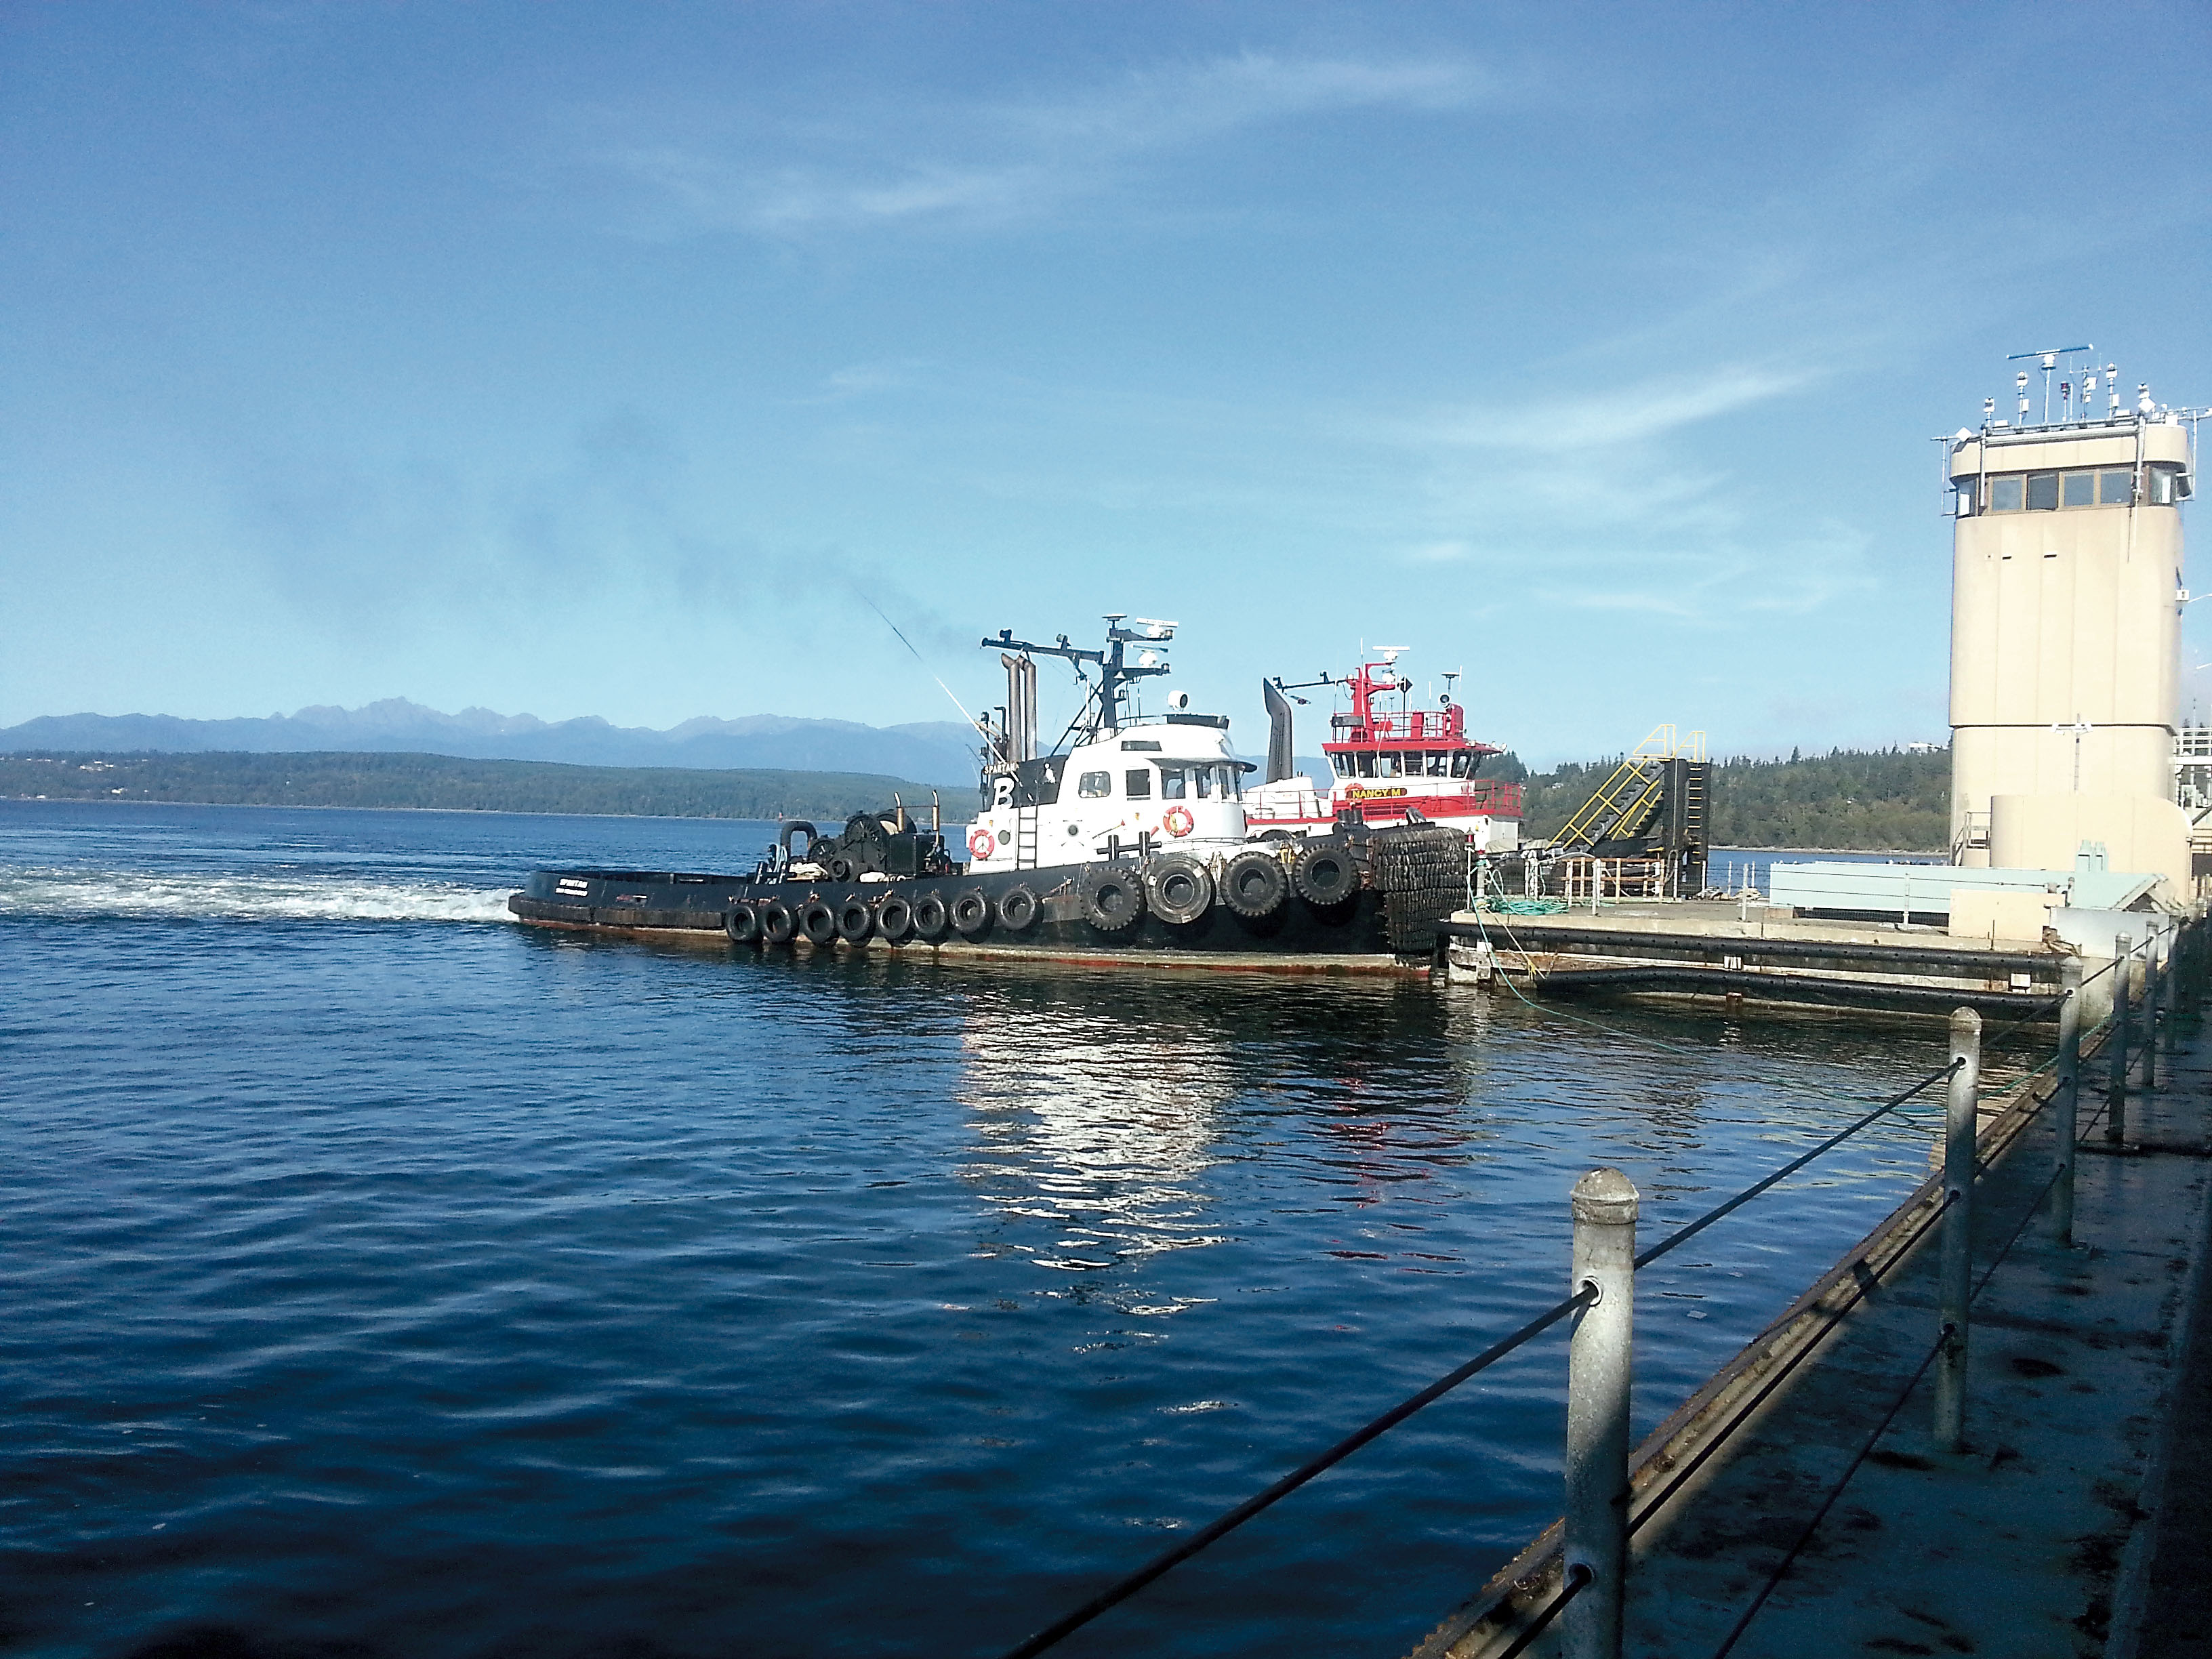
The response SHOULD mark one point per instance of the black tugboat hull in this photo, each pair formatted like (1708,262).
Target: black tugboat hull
(697,907)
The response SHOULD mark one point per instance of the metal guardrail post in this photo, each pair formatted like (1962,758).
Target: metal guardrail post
(2065,1099)
(2116,1090)
(1598,1354)
(2152,992)
(1960,1123)
(2170,988)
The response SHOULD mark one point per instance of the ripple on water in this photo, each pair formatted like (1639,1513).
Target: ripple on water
(435,1290)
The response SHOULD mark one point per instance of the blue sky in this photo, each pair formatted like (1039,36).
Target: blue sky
(600,360)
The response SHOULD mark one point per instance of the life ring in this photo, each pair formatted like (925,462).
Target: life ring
(1178,821)
(980,842)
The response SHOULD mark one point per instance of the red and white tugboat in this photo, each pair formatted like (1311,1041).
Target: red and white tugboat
(1390,763)
(1129,837)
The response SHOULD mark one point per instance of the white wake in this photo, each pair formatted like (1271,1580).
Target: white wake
(274,896)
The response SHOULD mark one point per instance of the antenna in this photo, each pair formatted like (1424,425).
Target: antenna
(2049,362)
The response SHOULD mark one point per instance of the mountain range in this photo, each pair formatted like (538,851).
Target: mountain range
(941,753)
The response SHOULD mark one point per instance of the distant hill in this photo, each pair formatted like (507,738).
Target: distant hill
(1891,800)
(451,783)
(941,751)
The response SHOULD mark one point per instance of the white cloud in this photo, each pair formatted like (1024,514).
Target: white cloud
(988,164)
(1619,415)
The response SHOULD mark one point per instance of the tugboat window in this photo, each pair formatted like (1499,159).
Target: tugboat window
(1094,786)
(2078,489)
(2043,492)
(2116,489)
(1463,766)
(1137,785)
(1204,774)
(1230,788)
(2008,494)
(1172,784)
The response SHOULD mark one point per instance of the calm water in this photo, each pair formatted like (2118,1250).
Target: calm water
(386,1279)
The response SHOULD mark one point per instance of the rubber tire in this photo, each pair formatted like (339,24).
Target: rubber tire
(971,914)
(1178,889)
(777,924)
(742,923)
(839,868)
(1017,907)
(894,919)
(1113,898)
(856,923)
(1324,874)
(818,921)
(931,918)
(1255,886)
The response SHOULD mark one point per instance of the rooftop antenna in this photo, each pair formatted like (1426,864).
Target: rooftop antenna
(2048,361)
(1450,674)
(2112,387)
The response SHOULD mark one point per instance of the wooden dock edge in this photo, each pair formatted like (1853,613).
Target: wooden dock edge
(1521,1591)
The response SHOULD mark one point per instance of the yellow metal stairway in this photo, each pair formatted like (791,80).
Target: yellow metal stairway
(1627,801)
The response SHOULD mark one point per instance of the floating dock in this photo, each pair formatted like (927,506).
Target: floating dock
(1737,955)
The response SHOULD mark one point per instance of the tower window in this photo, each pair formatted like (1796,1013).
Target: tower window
(2078,489)
(2006,495)
(2043,492)
(2117,488)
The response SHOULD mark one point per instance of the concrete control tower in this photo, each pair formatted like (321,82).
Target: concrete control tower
(2066,626)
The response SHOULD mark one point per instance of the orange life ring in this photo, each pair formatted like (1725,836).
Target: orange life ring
(1179,821)
(980,844)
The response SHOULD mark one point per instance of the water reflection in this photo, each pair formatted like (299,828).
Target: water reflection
(1092,1131)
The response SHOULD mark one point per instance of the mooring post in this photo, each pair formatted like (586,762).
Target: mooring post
(2116,1090)
(1598,1354)
(1960,1123)
(2065,1099)
(2170,988)
(2151,992)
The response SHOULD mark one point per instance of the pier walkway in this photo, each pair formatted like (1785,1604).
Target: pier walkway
(2077,1521)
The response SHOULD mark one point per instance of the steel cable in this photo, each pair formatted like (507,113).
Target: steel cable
(1789,1559)
(1683,1235)
(1121,1591)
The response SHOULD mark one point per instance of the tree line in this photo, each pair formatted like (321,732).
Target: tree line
(447,783)
(1891,800)
(1877,800)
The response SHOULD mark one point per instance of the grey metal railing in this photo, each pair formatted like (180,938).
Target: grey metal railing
(1600,1306)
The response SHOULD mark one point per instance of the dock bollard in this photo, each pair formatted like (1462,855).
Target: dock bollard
(2065,1099)
(1960,1124)
(2116,1090)
(1598,1354)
